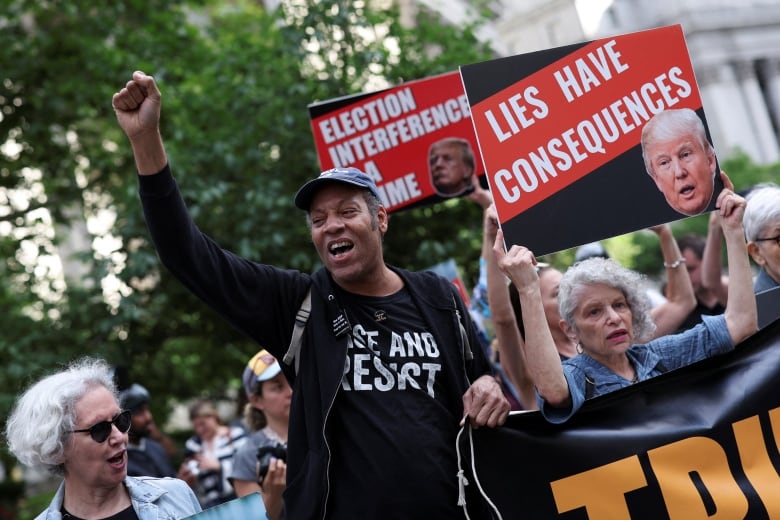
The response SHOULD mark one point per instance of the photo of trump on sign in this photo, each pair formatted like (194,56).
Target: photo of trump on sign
(680,159)
(593,140)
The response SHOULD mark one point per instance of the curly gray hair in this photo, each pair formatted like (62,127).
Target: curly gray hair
(605,271)
(38,427)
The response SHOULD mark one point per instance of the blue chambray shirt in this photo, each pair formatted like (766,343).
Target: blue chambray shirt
(707,339)
(152,498)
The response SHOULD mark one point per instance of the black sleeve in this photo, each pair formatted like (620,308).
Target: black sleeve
(258,299)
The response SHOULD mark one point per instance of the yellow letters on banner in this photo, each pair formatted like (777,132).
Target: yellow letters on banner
(601,491)
(755,459)
(673,465)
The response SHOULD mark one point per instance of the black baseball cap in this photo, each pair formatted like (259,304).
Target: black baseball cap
(133,397)
(348,175)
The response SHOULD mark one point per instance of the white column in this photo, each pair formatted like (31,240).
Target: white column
(763,134)
(771,72)
(727,116)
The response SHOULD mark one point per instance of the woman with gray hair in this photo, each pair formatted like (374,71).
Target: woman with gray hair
(70,423)
(604,309)
(762,231)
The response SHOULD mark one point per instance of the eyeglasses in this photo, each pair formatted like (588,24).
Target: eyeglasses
(776,239)
(100,431)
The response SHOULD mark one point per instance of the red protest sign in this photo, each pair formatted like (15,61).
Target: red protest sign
(390,134)
(560,131)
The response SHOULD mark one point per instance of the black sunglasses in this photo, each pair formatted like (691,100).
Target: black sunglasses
(773,239)
(100,431)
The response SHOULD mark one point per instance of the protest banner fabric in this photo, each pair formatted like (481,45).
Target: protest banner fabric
(698,442)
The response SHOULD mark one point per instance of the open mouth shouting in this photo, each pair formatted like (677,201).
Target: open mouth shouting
(340,248)
(118,459)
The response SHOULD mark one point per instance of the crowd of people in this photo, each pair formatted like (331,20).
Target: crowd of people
(368,371)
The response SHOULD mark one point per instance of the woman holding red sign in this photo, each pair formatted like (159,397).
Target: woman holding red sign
(603,309)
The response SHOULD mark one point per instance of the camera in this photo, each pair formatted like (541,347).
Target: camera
(265,453)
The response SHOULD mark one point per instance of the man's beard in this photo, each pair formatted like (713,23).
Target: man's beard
(135,436)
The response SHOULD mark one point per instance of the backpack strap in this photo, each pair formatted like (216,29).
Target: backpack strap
(301,317)
(463,334)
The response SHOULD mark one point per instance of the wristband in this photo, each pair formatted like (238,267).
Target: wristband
(675,264)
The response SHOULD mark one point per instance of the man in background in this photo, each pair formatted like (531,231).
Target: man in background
(145,455)
(451,164)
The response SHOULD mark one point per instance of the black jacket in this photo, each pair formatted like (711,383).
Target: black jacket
(262,301)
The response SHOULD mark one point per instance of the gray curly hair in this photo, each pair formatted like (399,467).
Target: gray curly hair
(605,271)
(38,427)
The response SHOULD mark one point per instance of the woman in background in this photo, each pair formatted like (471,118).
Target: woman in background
(70,424)
(209,455)
(268,415)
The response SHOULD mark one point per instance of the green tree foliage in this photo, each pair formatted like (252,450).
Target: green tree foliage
(236,81)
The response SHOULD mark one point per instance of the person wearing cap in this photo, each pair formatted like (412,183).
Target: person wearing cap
(267,413)
(590,250)
(386,373)
(145,455)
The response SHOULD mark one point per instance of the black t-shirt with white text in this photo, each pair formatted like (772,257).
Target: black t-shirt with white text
(392,428)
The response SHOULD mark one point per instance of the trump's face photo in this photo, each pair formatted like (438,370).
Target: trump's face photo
(680,160)
(451,164)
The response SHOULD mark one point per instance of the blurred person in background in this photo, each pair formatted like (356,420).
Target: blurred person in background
(267,414)
(209,454)
(145,455)
(702,258)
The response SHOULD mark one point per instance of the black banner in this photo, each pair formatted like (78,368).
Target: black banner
(696,443)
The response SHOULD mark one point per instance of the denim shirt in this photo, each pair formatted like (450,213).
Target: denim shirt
(764,282)
(152,499)
(707,339)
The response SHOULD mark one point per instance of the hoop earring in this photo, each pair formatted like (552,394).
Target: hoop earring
(578,348)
